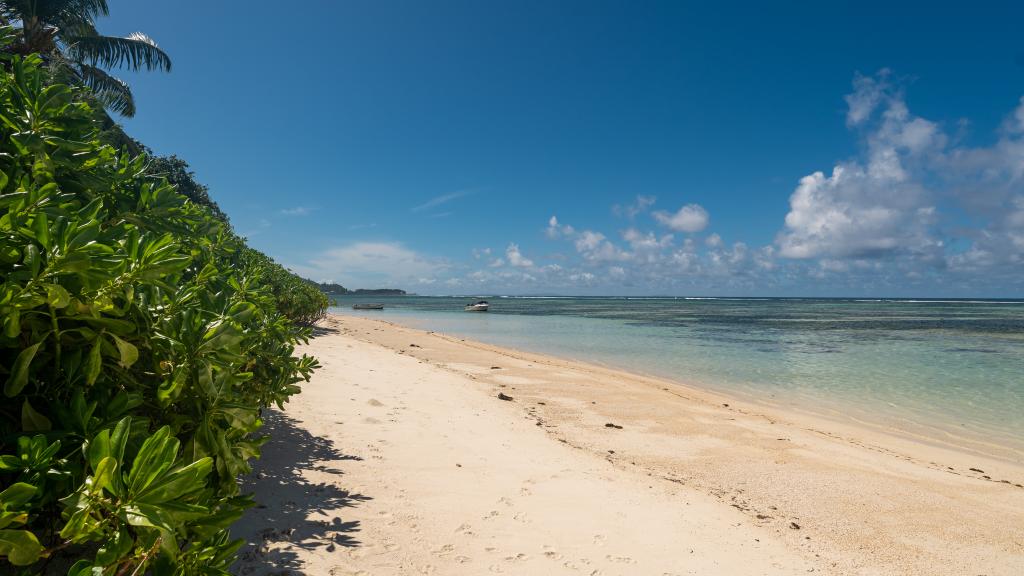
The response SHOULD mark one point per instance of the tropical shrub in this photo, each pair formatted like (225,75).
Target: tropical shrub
(139,339)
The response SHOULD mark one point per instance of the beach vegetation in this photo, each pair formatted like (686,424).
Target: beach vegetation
(139,339)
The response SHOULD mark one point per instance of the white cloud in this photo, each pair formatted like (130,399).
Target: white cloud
(442,199)
(585,278)
(515,258)
(645,242)
(555,230)
(866,96)
(690,218)
(296,211)
(876,208)
(595,247)
(372,265)
(639,206)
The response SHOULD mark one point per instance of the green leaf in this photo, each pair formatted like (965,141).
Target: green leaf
(32,421)
(129,353)
(10,462)
(154,458)
(80,526)
(17,495)
(32,259)
(12,323)
(57,296)
(41,227)
(19,372)
(110,443)
(104,475)
(177,483)
(20,546)
(94,362)
(81,568)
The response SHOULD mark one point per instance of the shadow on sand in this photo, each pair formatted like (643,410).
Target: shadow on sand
(293,512)
(321,330)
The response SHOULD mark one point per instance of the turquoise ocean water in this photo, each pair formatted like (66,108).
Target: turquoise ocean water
(945,371)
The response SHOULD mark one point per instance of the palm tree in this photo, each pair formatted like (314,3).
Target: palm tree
(64,33)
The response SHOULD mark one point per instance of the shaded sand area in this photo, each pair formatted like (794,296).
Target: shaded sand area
(400,458)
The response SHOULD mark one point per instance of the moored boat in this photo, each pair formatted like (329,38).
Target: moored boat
(367,306)
(478,306)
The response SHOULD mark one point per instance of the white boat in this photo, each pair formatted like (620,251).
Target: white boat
(478,306)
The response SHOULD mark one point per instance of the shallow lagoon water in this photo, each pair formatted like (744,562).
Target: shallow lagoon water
(949,371)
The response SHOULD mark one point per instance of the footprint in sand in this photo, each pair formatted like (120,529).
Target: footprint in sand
(620,559)
(444,550)
(462,559)
(370,420)
(551,553)
(464,529)
(599,539)
(342,571)
(491,514)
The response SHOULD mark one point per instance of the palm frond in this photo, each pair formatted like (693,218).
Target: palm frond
(135,52)
(55,12)
(112,92)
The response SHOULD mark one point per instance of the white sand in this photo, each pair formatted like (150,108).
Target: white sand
(398,459)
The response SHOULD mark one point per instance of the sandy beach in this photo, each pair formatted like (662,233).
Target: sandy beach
(419,453)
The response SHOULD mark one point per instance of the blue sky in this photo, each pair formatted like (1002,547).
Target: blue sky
(427,145)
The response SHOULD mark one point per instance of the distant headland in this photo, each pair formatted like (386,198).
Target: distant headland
(337,289)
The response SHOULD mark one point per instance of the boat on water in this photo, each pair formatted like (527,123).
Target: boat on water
(478,306)
(367,306)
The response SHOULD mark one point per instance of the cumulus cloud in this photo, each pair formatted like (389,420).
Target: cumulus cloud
(594,246)
(556,230)
(515,258)
(690,218)
(876,207)
(645,242)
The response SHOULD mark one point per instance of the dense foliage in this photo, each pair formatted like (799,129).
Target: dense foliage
(139,338)
(177,173)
